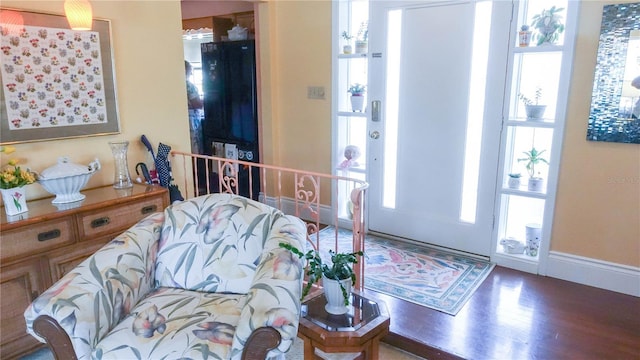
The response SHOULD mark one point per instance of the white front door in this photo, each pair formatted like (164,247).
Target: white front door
(437,75)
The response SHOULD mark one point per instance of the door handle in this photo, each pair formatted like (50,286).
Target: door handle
(375,110)
(374,135)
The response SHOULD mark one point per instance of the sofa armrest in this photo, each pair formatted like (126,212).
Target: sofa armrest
(88,301)
(274,296)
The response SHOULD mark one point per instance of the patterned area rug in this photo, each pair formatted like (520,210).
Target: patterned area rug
(434,278)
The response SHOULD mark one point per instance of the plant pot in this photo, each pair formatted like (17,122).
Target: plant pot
(514,182)
(347,49)
(536,184)
(524,37)
(333,294)
(357,102)
(362,47)
(15,200)
(535,112)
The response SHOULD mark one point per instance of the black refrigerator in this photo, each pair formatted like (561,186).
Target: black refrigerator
(230,106)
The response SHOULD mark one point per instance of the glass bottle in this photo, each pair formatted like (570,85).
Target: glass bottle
(121,179)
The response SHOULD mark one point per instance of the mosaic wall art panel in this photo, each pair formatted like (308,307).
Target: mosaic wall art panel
(615,103)
(56,82)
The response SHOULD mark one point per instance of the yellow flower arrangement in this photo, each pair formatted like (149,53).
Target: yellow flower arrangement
(12,175)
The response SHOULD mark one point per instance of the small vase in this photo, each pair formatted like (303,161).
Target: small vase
(15,200)
(524,37)
(333,294)
(534,235)
(121,178)
(347,49)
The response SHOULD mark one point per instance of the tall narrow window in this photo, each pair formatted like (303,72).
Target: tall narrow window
(394,48)
(475,111)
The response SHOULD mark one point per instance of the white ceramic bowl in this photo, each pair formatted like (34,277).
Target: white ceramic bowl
(512,246)
(66,179)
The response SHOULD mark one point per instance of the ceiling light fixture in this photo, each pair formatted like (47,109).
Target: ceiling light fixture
(79,14)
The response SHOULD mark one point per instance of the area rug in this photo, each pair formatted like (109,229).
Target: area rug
(426,276)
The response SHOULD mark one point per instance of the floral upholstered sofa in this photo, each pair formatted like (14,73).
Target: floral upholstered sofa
(206,279)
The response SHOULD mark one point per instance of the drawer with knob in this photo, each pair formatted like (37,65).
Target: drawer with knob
(116,218)
(36,238)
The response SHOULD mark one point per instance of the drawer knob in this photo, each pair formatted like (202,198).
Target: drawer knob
(149,209)
(100,222)
(49,235)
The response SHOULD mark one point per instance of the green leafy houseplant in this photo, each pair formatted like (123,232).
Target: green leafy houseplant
(533,158)
(340,269)
(345,35)
(548,25)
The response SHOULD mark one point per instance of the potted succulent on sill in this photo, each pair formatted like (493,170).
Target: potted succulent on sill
(357,96)
(337,278)
(533,157)
(532,108)
(514,181)
(347,49)
(548,25)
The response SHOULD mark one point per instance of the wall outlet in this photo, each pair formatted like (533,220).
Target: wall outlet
(315,92)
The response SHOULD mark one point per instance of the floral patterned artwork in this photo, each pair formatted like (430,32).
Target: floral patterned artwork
(191,283)
(52,77)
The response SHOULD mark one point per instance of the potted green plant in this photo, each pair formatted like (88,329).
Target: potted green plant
(362,40)
(533,109)
(548,25)
(514,181)
(337,278)
(533,158)
(357,91)
(347,49)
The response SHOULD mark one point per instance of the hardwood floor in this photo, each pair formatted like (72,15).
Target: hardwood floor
(516,315)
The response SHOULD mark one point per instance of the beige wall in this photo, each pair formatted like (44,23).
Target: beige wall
(300,50)
(598,201)
(151,92)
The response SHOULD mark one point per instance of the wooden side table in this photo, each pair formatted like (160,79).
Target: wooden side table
(357,331)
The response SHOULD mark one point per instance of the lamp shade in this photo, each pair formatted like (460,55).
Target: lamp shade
(11,22)
(79,14)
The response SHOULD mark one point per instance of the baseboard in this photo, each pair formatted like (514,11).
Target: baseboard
(602,274)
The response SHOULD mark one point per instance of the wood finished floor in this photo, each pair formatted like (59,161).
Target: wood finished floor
(516,315)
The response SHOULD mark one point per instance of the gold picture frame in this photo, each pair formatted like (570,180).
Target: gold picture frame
(56,82)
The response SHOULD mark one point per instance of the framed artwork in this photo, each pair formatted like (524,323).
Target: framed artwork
(615,102)
(56,82)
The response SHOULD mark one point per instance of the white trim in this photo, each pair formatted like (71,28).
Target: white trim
(602,274)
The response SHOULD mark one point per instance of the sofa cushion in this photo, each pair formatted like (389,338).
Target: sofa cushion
(175,324)
(213,243)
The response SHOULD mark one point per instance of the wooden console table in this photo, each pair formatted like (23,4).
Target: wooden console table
(38,247)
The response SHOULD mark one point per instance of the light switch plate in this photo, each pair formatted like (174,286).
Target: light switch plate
(315,92)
